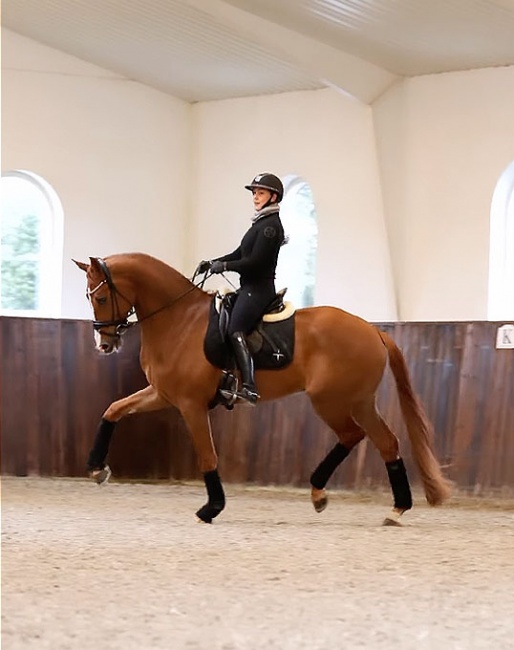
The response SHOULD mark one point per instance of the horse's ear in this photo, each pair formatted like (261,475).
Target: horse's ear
(95,266)
(81,265)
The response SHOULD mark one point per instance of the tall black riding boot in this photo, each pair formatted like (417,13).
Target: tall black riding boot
(245,364)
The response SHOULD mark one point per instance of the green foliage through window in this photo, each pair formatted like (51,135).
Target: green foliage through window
(20,247)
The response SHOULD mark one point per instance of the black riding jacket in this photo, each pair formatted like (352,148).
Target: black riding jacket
(255,259)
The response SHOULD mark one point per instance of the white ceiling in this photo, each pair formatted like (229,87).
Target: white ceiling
(202,50)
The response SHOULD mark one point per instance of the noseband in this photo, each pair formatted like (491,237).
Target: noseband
(121,324)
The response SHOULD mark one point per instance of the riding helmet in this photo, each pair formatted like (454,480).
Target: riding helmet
(268,182)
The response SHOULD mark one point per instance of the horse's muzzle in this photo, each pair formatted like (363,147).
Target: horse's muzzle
(107,343)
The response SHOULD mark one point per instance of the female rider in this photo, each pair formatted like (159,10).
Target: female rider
(255,259)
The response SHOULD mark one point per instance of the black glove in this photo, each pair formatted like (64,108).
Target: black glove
(218,267)
(204,266)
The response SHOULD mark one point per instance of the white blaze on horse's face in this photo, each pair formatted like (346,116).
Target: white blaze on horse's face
(98,341)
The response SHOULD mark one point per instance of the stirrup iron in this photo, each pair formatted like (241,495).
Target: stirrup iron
(248,394)
(228,389)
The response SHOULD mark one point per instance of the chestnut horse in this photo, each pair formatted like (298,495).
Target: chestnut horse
(339,361)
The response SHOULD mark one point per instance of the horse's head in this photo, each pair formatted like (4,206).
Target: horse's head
(111,307)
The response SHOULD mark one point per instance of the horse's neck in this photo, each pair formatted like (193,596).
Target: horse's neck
(154,290)
(169,308)
(158,287)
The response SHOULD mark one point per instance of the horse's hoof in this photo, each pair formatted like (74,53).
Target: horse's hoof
(320,505)
(101,476)
(204,514)
(319,499)
(203,520)
(393,519)
(208,512)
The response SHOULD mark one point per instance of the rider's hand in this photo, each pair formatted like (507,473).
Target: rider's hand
(204,266)
(218,267)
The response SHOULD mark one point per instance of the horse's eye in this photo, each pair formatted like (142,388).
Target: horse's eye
(101,300)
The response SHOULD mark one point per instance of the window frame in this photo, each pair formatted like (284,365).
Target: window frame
(51,252)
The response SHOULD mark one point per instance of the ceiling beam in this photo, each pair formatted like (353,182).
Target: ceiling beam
(337,69)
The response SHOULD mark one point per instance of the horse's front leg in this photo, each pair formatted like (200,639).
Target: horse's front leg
(198,423)
(144,400)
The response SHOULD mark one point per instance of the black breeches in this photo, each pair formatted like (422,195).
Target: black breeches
(250,305)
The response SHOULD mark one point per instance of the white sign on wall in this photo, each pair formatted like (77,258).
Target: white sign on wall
(505,337)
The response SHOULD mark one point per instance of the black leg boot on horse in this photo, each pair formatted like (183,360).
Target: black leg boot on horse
(98,470)
(244,362)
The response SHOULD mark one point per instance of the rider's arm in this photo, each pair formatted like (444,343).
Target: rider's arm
(235,255)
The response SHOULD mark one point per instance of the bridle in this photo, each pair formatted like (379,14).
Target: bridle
(123,324)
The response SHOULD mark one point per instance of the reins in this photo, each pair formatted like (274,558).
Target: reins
(140,320)
(123,324)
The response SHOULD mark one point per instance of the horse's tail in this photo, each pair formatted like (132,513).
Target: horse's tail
(421,434)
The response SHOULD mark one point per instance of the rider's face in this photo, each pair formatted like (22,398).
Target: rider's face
(260,197)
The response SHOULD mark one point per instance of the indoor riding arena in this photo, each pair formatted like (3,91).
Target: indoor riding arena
(144,504)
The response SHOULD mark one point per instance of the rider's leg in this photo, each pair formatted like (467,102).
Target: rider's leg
(245,364)
(248,309)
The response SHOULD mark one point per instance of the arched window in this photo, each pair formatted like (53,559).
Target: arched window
(501,251)
(296,267)
(31,228)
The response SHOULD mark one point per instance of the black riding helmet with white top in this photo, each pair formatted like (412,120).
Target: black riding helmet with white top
(267,182)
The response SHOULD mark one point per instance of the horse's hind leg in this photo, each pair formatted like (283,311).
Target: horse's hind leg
(386,442)
(349,434)
(144,400)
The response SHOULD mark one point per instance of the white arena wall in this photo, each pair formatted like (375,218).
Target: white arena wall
(443,142)
(327,139)
(115,151)
(402,188)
